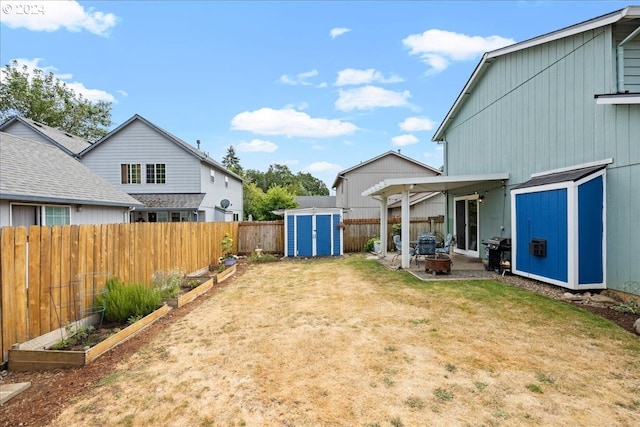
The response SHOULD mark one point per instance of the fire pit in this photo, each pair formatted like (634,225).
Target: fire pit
(437,263)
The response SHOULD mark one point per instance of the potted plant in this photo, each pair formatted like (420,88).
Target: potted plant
(227,245)
(373,244)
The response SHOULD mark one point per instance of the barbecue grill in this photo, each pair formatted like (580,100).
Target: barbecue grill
(498,254)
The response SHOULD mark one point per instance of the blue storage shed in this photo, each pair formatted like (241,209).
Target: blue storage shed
(313,232)
(559,228)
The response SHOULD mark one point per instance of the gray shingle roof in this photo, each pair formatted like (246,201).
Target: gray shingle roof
(72,143)
(316,201)
(565,176)
(170,200)
(33,171)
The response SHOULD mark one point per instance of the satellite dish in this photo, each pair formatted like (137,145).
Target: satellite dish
(224,203)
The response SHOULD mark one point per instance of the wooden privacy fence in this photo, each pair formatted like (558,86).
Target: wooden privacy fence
(51,275)
(357,232)
(266,235)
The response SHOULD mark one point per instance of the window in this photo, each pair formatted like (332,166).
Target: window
(156,173)
(226,182)
(236,217)
(213,175)
(130,173)
(56,215)
(163,217)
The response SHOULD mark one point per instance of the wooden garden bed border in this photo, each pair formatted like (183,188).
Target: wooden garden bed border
(41,360)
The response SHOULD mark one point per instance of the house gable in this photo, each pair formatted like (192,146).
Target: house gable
(39,132)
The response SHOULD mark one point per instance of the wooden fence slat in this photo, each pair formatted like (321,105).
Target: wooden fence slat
(7,297)
(55,286)
(20,284)
(34,281)
(45,280)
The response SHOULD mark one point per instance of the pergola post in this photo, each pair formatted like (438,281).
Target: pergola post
(384,215)
(406,224)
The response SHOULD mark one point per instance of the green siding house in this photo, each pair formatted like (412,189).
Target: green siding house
(559,116)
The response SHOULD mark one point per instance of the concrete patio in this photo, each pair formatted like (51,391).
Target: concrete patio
(462,268)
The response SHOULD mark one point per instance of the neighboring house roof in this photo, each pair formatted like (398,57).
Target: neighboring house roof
(70,144)
(33,171)
(413,199)
(341,174)
(202,156)
(630,12)
(168,201)
(316,201)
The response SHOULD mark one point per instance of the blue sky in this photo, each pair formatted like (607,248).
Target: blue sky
(318,86)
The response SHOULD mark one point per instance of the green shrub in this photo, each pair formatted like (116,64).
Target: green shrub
(124,301)
(368,247)
(168,285)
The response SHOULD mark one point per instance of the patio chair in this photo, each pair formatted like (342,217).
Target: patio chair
(398,245)
(447,245)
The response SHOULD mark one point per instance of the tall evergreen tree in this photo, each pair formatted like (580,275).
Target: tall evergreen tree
(231,161)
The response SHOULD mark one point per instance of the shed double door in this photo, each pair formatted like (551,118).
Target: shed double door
(313,235)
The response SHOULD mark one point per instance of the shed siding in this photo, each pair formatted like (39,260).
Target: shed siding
(590,231)
(291,235)
(337,241)
(138,143)
(543,215)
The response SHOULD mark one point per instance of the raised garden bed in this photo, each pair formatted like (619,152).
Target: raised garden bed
(191,294)
(36,355)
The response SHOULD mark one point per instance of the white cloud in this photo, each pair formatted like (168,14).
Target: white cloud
(79,88)
(319,167)
(414,124)
(402,140)
(438,48)
(368,97)
(257,145)
(335,32)
(267,121)
(299,79)
(122,92)
(351,76)
(53,15)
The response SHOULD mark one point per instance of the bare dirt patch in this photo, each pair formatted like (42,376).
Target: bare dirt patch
(347,342)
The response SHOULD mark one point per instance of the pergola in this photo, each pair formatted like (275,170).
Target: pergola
(407,186)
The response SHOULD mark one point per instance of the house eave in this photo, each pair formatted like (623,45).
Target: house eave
(618,99)
(487,58)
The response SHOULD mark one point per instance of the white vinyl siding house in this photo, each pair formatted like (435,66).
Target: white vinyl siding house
(172,178)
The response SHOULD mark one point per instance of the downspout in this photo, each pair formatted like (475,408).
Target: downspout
(620,57)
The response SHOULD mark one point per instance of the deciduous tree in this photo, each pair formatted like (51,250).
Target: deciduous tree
(46,99)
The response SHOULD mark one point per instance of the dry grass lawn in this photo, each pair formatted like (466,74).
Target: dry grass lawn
(346,342)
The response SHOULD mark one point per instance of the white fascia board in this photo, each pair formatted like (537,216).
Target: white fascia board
(618,99)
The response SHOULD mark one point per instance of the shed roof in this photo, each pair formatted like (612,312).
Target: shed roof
(631,12)
(316,201)
(33,171)
(71,144)
(564,176)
